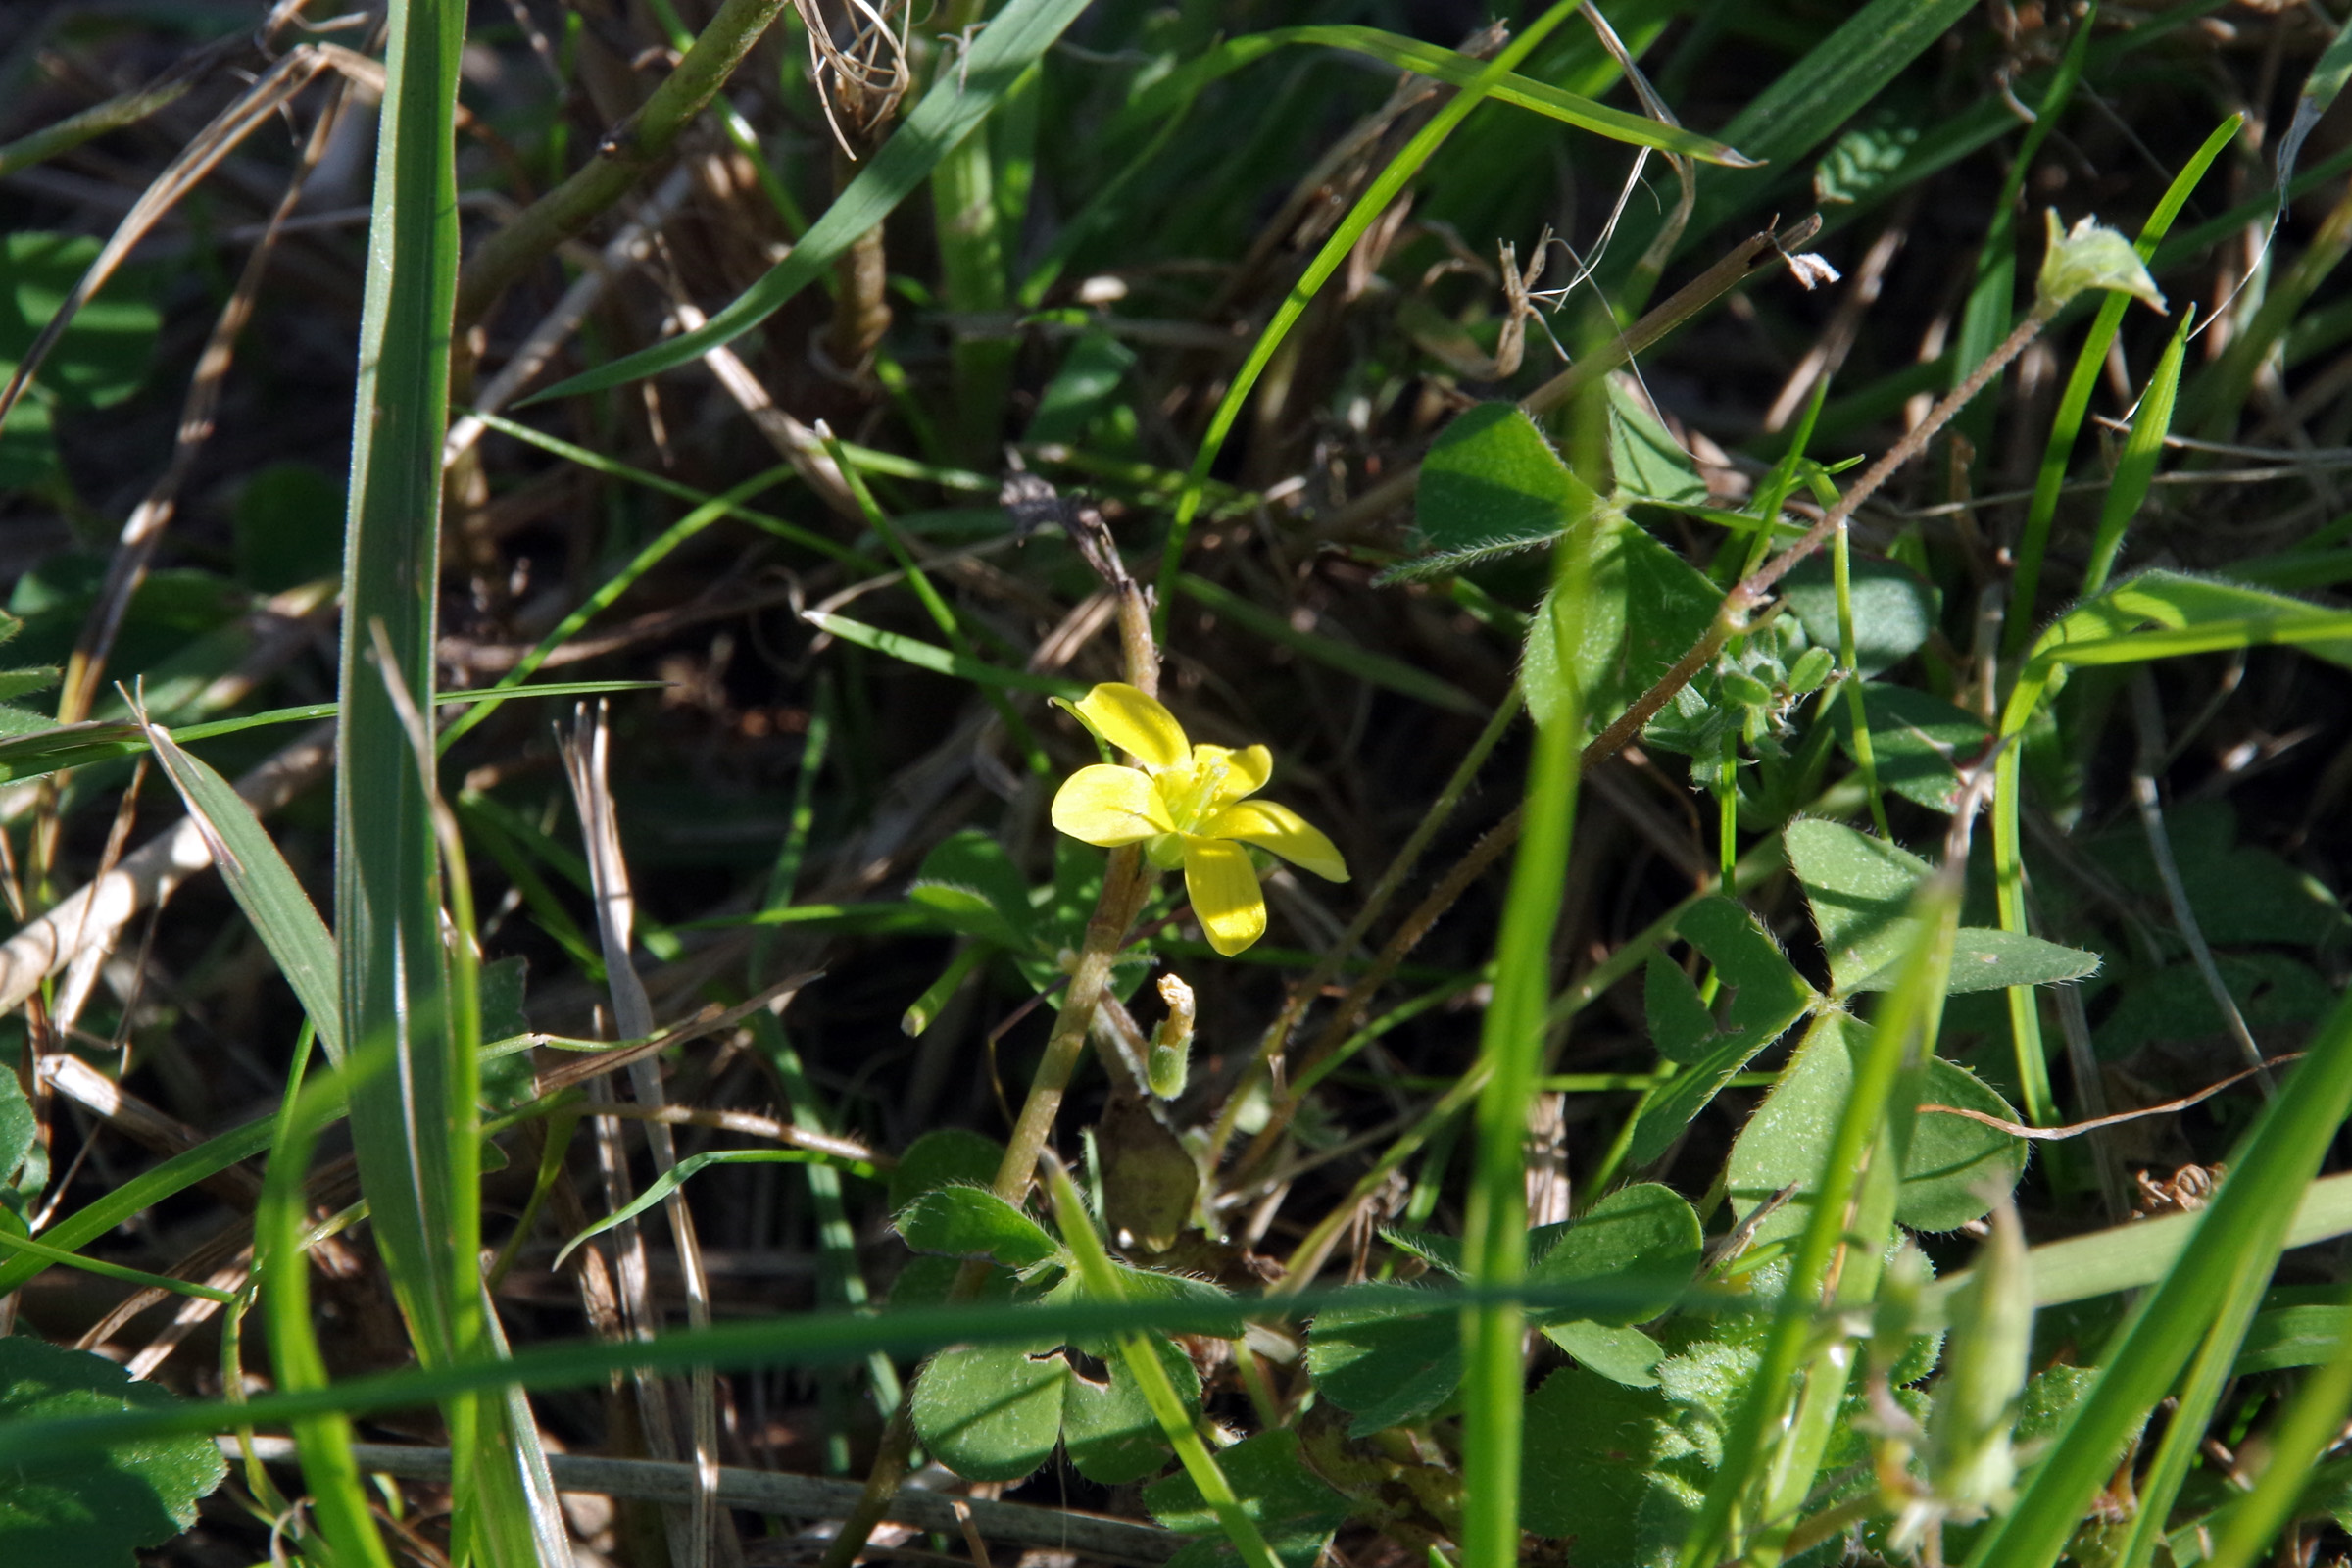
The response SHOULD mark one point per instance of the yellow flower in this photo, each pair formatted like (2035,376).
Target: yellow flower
(1186,805)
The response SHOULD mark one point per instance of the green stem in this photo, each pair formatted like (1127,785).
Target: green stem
(629,152)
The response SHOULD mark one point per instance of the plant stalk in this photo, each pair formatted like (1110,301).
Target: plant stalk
(629,152)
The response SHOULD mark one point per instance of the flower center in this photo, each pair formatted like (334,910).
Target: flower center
(1190,792)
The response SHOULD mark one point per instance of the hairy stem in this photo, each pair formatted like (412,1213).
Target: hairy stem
(1126,882)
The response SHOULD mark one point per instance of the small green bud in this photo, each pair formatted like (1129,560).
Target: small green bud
(1170,1062)
(1812,668)
(1745,690)
(2091,255)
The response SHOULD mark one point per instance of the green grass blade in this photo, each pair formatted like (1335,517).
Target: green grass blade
(2239,1235)
(264,886)
(2329,73)
(1101,1281)
(1173,91)
(46,1255)
(614,469)
(415,1127)
(143,1190)
(2310,1427)
(2137,470)
(932,657)
(953,107)
(2074,401)
(803,1340)
(1985,319)
(677,533)
(339,1498)
(1805,105)
(70,746)
(1375,670)
(1511,1053)
(675,1177)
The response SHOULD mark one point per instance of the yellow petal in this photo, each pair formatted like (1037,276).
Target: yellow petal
(1223,884)
(1285,832)
(1135,723)
(1245,770)
(1109,806)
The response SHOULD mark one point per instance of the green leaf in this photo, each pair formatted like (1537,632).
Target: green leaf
(966,909)
(31,678)
(104,355)
(1380,1353)
(1624,1355)
(992,1412)
(76,1511)
(1894,609)
(2242,893)
(1949,1158)
(1863,160)
(958,100)
(2272,990)
(1643,608)
(971,859)
(974,1222)
(1648,463)
(1860,889)
(1768,995)
(1690,1092)
(944,1157)
(1081,391)
(1295,1508)
(1491,485)
(18,1126)
(1915,738)
(1639,1238)
(1108,1426)
(1985,959)
(1680,1025)
(1442,1253)
(2290,1337)
(1585,1468)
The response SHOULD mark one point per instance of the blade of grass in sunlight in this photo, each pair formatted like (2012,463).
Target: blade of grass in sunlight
(803,1340)
(339,1498)
(932,657)
(413,1128)
(70,746)
(2238,1236)
(1511,1053)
